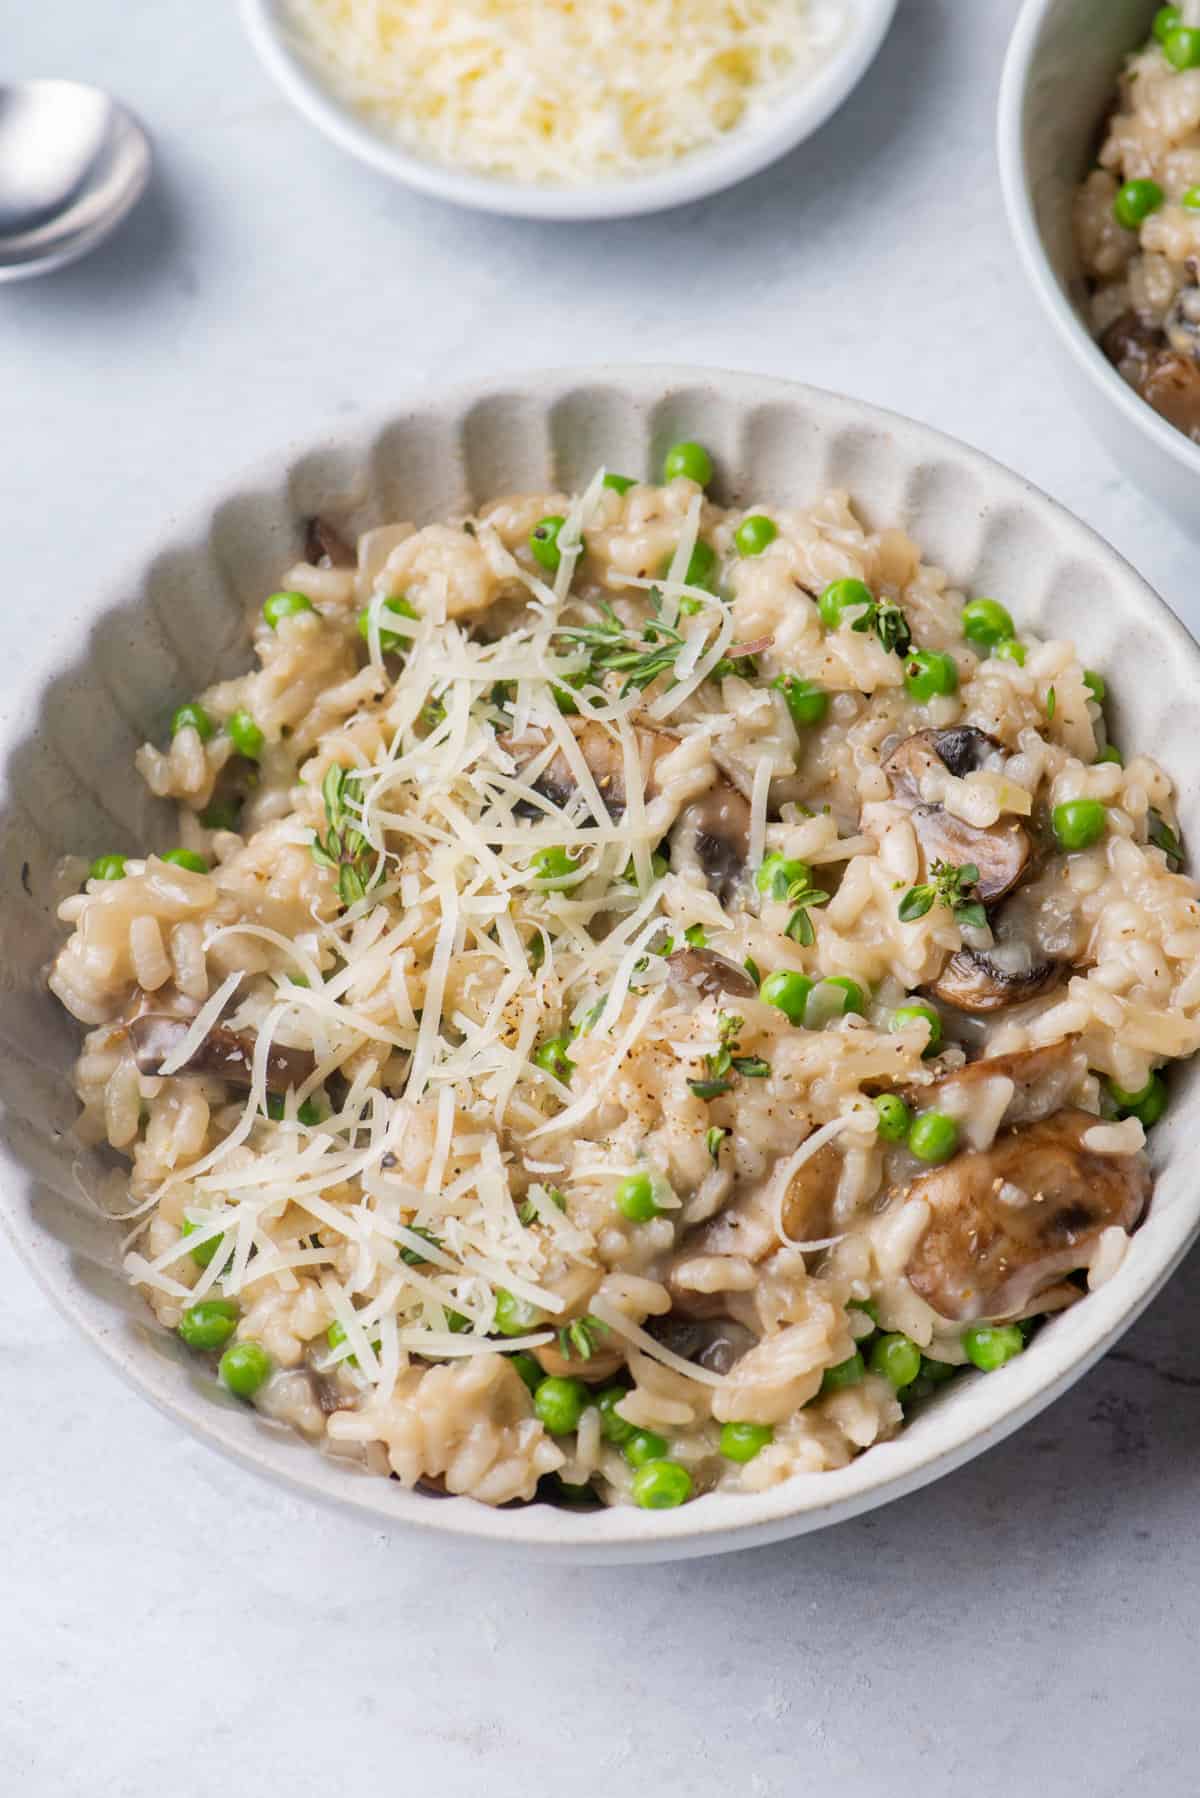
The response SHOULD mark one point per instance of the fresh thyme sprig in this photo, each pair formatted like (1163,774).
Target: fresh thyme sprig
(891,627)
(344,848)
(642,656)
(951,886)
(723,1066)
(1164,838)
(579,1340)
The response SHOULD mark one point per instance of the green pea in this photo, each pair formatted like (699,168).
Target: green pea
(620,483)
(1182,47)
(855,997)
(1191,199)
(928,674)
(560,1404)
(245,736)
(788,992)
(552,1057)
(107,867)
(1147,1105)
(635,1198)
(987,622)
(193,717)
(894,1117)
(613,1427)
(285,605)
(1078,823)
(909,1014)
(937,1372)
(742,1441)
(989,1346)
(702,564)
(754,534)
(933,1137)
(643,1446)
(846,1373)
(543,541)
(1096,685)
(529,1368)
(203,1253)
(1165,20)
(845,596)
(514,1316)
(244,1367)
(1110,753)
(1011,650)
(689,459)
(1136,201)
(390,642)
(897,1358)
(554,867)
(777,875)
(456,1323)
(335,1335)
(209,1324)
(807,701)
(868,1307)
(661,1486)
(186,858)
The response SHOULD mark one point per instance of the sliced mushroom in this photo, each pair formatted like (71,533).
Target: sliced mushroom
(1161,368)
(1007,1222)
(710,974)
(600,1365)
(1043,1081)
(325,547)
(714,833)
(605,761)
(715,1342)
(748,1227)
(227,1054)
(982,980)
(1001,852)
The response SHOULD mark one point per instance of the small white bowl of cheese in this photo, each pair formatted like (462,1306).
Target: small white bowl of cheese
(568,109)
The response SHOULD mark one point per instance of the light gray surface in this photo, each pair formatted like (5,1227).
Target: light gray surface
(169,1624)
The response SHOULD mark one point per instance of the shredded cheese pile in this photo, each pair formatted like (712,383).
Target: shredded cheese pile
(564,92)
(454,814)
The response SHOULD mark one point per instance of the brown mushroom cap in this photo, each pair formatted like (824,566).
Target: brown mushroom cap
(747,1226)
(1044,1080)
(1007,1222)
(1164,372)
(226,1054)
(600,1365)
(983,980)
(605,761)
(1001,852)
(715,833)
(710,974)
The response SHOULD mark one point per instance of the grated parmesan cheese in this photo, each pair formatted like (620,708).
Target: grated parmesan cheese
(558,92)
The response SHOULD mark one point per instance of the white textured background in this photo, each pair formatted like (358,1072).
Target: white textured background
(167,1624)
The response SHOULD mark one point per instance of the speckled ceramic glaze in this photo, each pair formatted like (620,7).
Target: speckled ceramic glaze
(180,620)
(1060,79)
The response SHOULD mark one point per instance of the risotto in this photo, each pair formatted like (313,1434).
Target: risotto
(646,992)
(1137,222)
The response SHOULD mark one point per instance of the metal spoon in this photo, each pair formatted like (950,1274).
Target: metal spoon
(73,163)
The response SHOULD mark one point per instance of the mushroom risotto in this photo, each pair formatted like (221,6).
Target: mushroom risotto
(646,993)
(1137,222)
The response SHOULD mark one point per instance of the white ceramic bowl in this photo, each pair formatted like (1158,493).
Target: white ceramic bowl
(744,152)
(1059,81)
(179,620)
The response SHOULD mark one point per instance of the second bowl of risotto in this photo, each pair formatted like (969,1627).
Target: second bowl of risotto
(641,997)
(1099,145)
